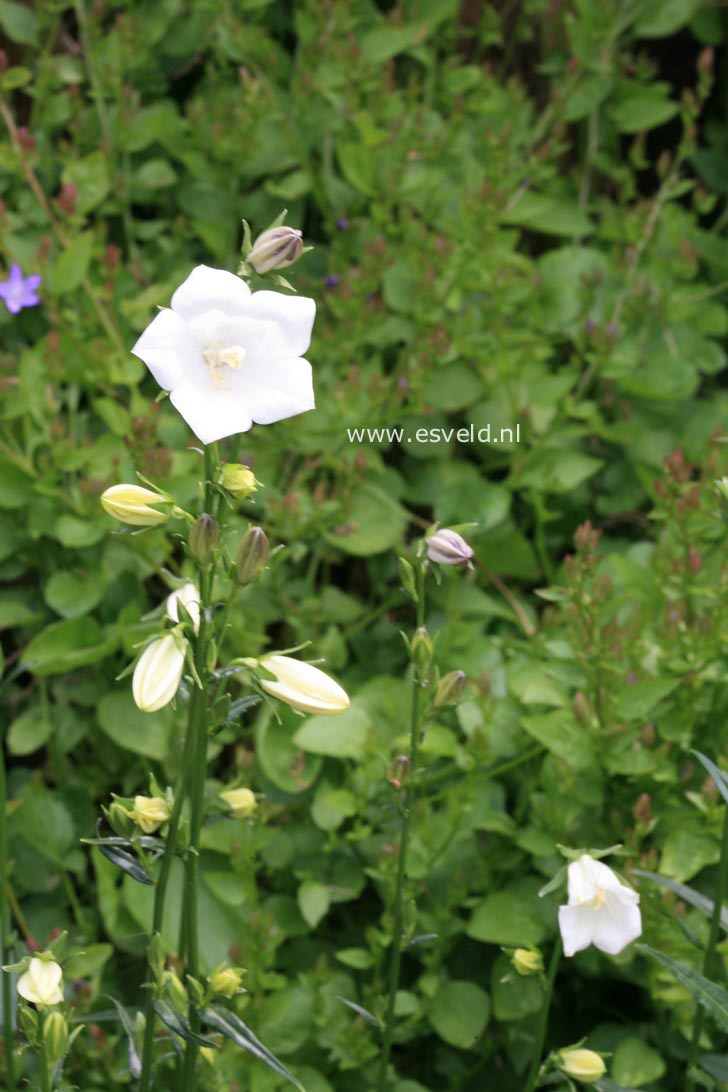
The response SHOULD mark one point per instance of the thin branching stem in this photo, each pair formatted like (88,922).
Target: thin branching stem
(543,1020)
(408,802)
(5,926)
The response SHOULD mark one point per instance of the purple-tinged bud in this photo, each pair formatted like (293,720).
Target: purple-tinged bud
(332,281)
(449,690)
(252,556)
(204,539)
(399,771)
(447,547)
(276,248)
(342,224)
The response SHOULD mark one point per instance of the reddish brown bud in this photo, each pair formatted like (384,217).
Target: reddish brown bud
(25,140)
(67,198)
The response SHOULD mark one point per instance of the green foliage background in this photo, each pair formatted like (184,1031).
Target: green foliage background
(518,213)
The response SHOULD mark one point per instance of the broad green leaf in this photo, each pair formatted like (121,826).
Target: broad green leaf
(72,264)
(29,731)
(145,734)
(19,22)
(642,111)
(342,736)
(508,917)
(66,646)
(686,851)
(635,1063)
(549,216)
(374,523)
(314,900)
(73,594)
(280,757)
(561,734)
(460,1013)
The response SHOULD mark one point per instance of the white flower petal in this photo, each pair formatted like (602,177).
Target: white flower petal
(294,316)
(583,885)
(210,289)
(281,388)
(167,349)
(617,923)
(576,924)
(212,414)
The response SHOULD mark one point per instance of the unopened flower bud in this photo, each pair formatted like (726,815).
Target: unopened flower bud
(241,802)
(189,597)
(407,576)
(276,248)
(447,547)
(252,556)
(204,539)
(67,198)
(55,1036)
(120,820)
(526,961)
(449,690)
(133,504)
(238,480)
(303,686)
(399,772)
(149,812)
(227,981)
(172,982)
(158,673)
(583,1065)
(422,651)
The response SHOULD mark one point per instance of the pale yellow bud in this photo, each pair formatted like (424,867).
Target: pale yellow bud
(527,962)
(176,988)
(583,1065)
(149,812)
(241,802)
(276,248)
(158,673)
(132,504)
(42,983)
(55,1036)
(238,480)
(189,597)
(303,686)
(227,981)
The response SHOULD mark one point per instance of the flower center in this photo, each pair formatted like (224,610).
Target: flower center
(597,899)
(219,357)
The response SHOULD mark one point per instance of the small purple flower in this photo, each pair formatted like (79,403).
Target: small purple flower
(19,291)
(342,223)
(332,281)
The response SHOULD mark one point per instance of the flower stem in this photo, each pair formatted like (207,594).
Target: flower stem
(709,957)
(198,745)
(534,1072)
(45,1077)
(5,926)
(408,802)
(192,781)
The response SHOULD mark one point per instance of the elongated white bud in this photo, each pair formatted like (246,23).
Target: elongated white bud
(303,686)
(158,673)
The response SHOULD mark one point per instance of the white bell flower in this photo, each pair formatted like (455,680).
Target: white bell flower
(42,983)
(229,357)
(303,686)
(600,911)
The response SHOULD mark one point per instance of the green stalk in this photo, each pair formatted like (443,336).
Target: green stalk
(196,729)
(45,1077)
(198,745)
(533,1073)
(409,802)
(5,929)
(709,959)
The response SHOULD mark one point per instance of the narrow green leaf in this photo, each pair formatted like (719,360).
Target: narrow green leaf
(688,894)
(231,1026)
(179,1024)
(720,778)
(364,1013)
(135,1062)
(127,863)
(713,998)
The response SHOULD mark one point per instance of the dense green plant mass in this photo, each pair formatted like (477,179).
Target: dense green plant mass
(518,217)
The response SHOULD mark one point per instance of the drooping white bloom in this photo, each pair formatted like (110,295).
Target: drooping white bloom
(303,686)
(189,597)
(42,983)
(158,673)
(600,911)
(228,356)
